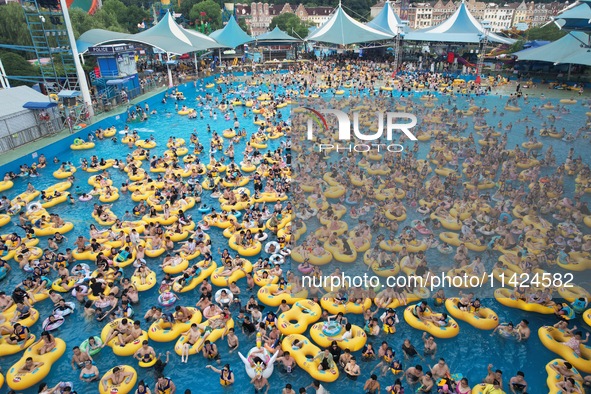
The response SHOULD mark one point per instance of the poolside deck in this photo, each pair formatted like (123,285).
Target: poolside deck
(33,146)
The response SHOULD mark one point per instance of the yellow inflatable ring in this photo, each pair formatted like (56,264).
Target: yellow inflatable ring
(355,343)
(328,303)
(123,351)
(123,388)
(504,297)
(449,331)
(554,377)
(22,381)
(553,339)
(297,319)
(484,318)
(304,353)
(163,331)
(267,297)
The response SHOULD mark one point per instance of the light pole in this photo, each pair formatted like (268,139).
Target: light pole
(397,39)
(79,70)
(483,43)
(4,83)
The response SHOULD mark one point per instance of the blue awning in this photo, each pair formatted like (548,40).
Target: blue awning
(117,81)
(37,105)
(570,49)
(276,35)
(231,35)
(576,17)
(68,94)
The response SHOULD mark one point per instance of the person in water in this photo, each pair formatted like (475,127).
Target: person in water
(517,383)
(89,372)
(164,386)
(226,374)
(115,377)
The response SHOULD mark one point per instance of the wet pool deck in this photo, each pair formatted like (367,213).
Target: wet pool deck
(28,148)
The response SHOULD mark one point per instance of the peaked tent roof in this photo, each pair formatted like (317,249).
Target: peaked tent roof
(460,27)
(576,17)
(276,35)
(231,35)
(565,50)
(387,21)
(167,36)
(99,36)
(341,29)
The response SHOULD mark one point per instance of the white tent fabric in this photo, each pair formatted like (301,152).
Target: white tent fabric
(567,50)
(167,36)
(341,29)
(460,27)
(387,21)
(576,17)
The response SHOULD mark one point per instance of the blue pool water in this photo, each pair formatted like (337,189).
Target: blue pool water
(469,353)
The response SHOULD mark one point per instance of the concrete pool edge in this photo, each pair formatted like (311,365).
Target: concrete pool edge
(30,148)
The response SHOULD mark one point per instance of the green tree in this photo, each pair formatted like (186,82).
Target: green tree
(13,28)
(213,13)
(359,9)
(15,64)
(185,7)
(516,46)
(82,22)
(127,17)
(243,25)
(133,16)
(291,24)
(548,33)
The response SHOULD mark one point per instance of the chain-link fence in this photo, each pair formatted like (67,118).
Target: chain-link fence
(26,126)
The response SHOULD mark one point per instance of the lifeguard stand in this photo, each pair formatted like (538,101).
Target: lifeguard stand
(116,74)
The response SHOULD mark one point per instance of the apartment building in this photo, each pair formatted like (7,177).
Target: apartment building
(258,16)
(498,16)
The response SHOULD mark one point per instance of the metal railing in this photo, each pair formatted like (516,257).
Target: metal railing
(103,103)
(19,138)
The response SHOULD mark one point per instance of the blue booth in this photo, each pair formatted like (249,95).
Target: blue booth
(115,79)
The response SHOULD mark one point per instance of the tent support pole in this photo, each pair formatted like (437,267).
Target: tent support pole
(196,66)
(568,74)
(3,80)
(80,74)
(170,84)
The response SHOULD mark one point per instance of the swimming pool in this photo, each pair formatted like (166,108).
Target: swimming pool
(468,353)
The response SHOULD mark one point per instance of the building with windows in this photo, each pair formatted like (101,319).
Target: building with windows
(498,16)
(258,16)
